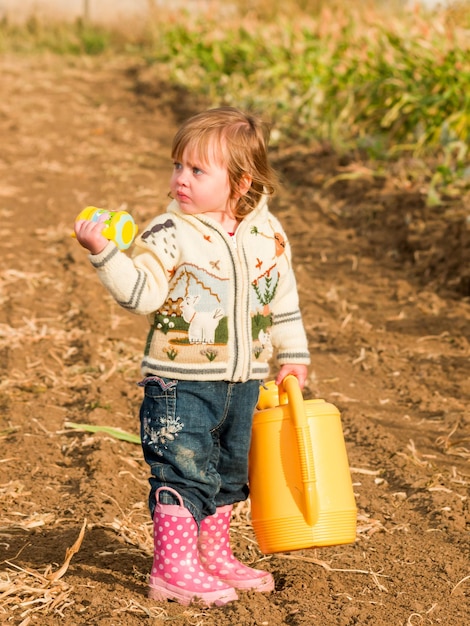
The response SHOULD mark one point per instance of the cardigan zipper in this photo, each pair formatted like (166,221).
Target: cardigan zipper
(240,315)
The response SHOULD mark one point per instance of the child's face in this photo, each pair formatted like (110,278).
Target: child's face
(201,186)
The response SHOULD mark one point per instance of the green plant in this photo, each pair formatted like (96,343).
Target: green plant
(117,433)
(391,83)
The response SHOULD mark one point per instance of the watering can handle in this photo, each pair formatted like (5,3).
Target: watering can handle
(304,443)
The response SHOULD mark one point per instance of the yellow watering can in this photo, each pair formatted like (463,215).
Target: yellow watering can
(300,484)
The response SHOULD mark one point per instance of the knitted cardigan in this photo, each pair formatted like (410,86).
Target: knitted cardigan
(217,305)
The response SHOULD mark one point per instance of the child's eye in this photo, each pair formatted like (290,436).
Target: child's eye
(197,171)
(177,165)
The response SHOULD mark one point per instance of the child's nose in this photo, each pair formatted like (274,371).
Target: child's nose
(182,176)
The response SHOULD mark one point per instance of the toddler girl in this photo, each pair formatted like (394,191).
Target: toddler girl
(214,276)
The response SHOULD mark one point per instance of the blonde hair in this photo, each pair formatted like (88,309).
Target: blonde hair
(237,140)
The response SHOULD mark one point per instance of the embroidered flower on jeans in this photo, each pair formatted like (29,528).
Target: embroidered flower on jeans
(168,431)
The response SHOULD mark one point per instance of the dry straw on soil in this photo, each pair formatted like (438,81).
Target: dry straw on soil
(27,591)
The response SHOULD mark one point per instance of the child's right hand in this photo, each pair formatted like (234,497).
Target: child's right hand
(89,235)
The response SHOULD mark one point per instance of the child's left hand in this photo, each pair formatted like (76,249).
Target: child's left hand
(299,371)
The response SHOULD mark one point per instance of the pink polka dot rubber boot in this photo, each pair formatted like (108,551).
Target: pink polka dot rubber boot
(218,559)
(177,572)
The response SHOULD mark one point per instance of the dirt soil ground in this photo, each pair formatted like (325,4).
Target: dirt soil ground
(384,288)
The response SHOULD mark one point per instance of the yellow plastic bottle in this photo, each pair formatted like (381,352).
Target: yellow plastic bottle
(120,225)
(300,484)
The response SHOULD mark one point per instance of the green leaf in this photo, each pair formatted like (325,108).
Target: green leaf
(117,433)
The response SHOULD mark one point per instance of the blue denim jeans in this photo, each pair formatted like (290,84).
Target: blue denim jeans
(196,438)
